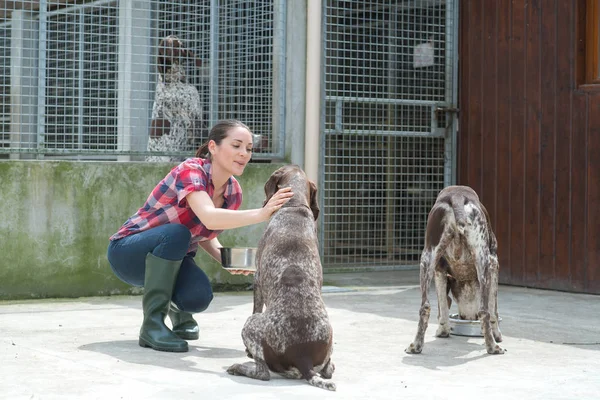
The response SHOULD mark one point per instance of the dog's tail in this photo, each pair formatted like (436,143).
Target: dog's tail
(305,367)
(458,206)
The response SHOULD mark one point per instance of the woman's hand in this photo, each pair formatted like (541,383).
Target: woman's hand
(276,201)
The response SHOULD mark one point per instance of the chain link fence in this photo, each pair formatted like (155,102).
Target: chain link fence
(144,80)
(388,144)
(99,80)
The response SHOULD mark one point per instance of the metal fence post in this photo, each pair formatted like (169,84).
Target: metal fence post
(41,111)
(23,82)
(213,96)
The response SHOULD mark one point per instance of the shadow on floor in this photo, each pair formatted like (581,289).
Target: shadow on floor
(129,351)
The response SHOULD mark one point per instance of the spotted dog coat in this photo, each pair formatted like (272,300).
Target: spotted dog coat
(461,253)
(177,111)
(293,336)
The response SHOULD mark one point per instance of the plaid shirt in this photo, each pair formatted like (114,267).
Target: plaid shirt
(167,203)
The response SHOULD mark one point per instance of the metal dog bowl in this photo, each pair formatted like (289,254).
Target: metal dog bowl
(464,327)
(241,258)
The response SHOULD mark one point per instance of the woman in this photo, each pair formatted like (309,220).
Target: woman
(195,202)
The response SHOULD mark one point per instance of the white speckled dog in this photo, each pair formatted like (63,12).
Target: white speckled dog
(461,252)
(177,110)
(293,336)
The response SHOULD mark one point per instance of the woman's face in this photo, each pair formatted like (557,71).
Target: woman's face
(234,152)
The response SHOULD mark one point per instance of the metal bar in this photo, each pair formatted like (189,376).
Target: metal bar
(80,102)
(392,71)
(322,116)
(339,115)
(124,126)
(357,99)
(69,9)
(213,96)
(41,108)
(436,134)
(258,156)
(433,117)
(454,125)
(279,34)
(314,89)
(370,268)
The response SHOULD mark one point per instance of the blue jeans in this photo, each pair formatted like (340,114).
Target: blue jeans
(127,258)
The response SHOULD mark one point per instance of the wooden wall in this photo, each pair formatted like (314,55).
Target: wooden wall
(529,138)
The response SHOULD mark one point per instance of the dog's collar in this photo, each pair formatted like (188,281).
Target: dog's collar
(288,205)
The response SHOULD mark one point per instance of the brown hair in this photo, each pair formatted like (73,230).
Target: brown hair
(219,132)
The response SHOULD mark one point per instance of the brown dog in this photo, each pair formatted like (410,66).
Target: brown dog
(293,336)
(461,251)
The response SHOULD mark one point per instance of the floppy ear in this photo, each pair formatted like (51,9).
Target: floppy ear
(272,185)
(314,205)
(165,55)
(163,61)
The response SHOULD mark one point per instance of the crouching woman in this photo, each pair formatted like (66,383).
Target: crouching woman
(188,209)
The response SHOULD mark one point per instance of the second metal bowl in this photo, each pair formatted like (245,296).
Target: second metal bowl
(463,327)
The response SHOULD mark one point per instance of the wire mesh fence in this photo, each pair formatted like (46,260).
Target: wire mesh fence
(389,70)
(144,80)
(138,80)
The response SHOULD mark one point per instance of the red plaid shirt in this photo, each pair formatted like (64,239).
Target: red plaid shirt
(167,204)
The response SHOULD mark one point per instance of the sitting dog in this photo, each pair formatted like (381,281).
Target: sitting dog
(460,250)
(293,336)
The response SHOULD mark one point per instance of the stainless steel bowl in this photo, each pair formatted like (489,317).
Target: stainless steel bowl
(242,258)
(463,327)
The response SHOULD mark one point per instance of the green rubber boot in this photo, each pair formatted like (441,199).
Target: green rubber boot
(158,289)
(184,325)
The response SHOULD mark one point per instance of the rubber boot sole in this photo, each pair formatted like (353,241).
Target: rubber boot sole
(187,335)
(144,343)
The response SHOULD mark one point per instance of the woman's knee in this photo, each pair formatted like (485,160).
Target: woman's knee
(195,302)
(193,291)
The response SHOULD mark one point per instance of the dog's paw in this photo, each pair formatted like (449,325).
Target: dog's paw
(495,350)
(443,331)
(414,349)
(234,369)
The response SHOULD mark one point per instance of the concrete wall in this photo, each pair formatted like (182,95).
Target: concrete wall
(56,218)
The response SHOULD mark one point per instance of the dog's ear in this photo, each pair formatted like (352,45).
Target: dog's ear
(162,64)
(314,205)
(165,55)
(272,185)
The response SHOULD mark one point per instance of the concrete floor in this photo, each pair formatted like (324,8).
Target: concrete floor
(87,349)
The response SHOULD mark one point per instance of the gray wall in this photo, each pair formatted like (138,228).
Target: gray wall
(56,218)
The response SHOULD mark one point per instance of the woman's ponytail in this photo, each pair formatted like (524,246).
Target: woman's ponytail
(202,151)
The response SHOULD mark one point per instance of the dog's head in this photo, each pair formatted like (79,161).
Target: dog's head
(305,190)
(172,52)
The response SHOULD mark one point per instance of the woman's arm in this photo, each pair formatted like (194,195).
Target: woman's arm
(220,219)
(212,247)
